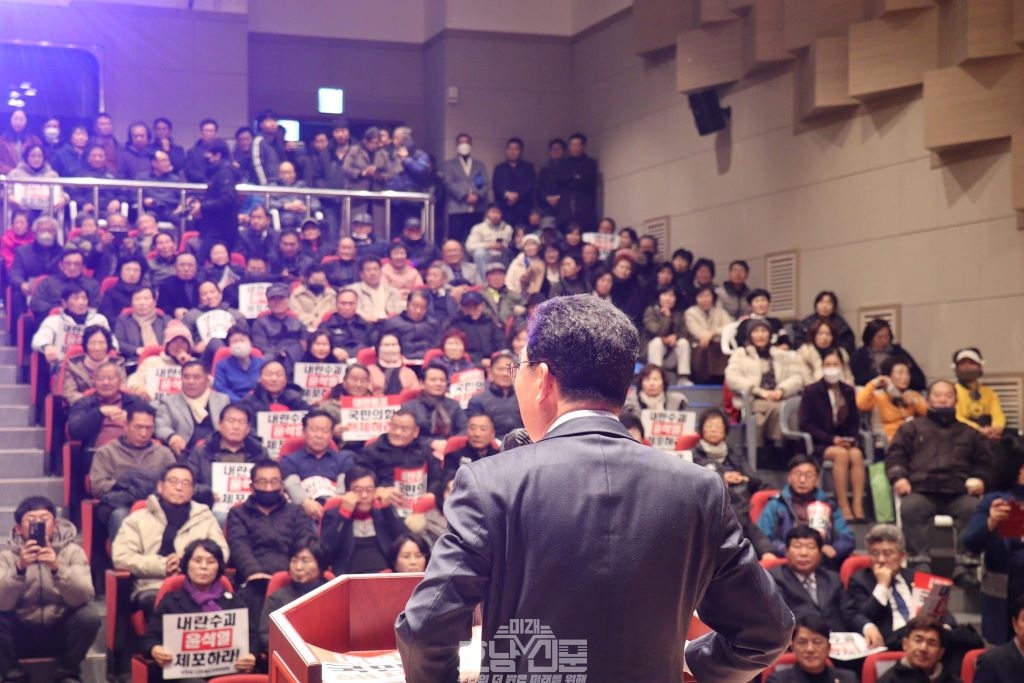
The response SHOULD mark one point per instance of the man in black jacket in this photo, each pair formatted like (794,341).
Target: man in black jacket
(515,182)
(810,648)
(48,294)
(216,214)
(924,645)
(483,336)
(279,333)
(357,535)
(577,186)
(349,332)
(498,401)
(399,448)
(1005,663)
(179,294)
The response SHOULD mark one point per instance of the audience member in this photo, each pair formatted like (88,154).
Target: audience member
(420,251)
(705,321)
(467,187)
(177,351)
(211,321)
(651,392)
(179,294)
(342,268)
(48,293)
(891,397)
(937,465)
(976,404)
(525,273)
(292,208)
(273,389)
(257,239)
(866,362)
(70,158)
(141,327)
(820,340)
(219,268)
(162,263)
(457,270)
(79,371)
(1005,663)
(349,331)
(826,307)
(399,272)
(810,647)
(40,257)
(313,473)
(400,448)
(279,333)
(288,261)
(64,328)
(548,192)
(216,213)
(389,375)
(759,302)
(130,279)
(407,554)
(924,646)
(232,442)
(307,562)
(828,412)
(480,443)
(483,336)
(498,401)
(515,183)
(191,415)
(195,161)
(152,541)
(437,416)
(357,535)
(126,469)
(665,331)
(576,178)
(18,234)
(733,293)
(375,300)
(96,166)
(99,418)
(803,503)
(47,605)
(363,165)
(489,239)
(238,374)
(163,140)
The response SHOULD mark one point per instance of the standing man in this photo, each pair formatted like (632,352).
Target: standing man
(515,182)
(465,180)
(614,576)
(577,186)
(217,213)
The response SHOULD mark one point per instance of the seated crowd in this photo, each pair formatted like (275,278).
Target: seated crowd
(174,370)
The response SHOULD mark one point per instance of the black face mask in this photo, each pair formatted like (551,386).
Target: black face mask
(944,417)
(267,499)
(316,289)
(966,377)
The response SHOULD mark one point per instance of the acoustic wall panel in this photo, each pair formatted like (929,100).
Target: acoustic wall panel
(762,35)
(713,11)
(1017,176)
(805,20)
(877,8)
(893,52)
(978,101)
(708,56)
(972,29)
(656,23)
(821,77)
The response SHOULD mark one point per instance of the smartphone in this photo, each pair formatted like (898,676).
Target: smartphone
(37,532)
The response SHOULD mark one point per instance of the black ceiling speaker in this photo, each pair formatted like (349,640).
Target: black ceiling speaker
(708,114)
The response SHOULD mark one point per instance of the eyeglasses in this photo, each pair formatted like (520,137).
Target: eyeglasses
(174,481)
(812,642)
(359,490)
(883,554)
(513,366)
(262,483)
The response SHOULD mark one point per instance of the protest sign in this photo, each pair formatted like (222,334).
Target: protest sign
(68,334)
(230,484)
(317,379)
(411,484)
(204,644)
(930,595)
(273,428)
(367,417)
(465,385)
(252,299)
(847,646)
(162,381)
(606,243)
(663,427)
(214,324)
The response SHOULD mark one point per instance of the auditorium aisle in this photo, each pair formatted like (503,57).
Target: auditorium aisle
(22,473)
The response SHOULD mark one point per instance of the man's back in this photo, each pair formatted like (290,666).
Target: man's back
(603,540)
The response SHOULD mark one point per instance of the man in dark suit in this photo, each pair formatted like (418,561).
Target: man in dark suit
(557,542)
(809,588)
(883,592)
(1005,664)
(810,648)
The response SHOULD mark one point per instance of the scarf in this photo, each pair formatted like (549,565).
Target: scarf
(652,402)
(79,319)
(715,452)
(176,515)
(91,365)
(199,405)
(768,380)
(840,411)
(145,323)
(440,420)
(207,597)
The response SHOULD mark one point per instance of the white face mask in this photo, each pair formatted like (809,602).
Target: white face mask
(832,375)
(464,149)
(46,239)
(241,349)
(51,134)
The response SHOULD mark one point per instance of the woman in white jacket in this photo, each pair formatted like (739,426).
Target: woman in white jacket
(768,374)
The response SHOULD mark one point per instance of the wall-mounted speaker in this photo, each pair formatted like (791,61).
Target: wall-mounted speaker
(708,114)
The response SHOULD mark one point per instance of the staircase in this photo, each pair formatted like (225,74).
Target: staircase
(23,474)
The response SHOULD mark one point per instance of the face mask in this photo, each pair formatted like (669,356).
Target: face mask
(464,149)
(51,134)
(241,349)
(46,239)
(267,499)
(968,376)
(832,375)
(316,289)
(943,417)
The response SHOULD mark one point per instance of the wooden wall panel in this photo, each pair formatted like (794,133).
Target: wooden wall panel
(973,29)
(1018,21)
(893,52)
(708,56)
(1017,175)
(877,8)
(821,77)
(978,101)
(762,39)
(804,20)
(656,23)
(713,11)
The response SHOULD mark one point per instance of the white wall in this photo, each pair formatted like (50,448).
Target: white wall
(871,219)
(400,21)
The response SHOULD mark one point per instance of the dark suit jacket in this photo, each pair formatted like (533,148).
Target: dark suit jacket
(862,583)
(816,415)
(599,539)
(796,675)
(834,604)
(1003,664)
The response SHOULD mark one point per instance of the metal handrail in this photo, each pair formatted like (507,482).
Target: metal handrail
(267,191)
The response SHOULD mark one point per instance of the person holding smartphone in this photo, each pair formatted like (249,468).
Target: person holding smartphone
(46,594)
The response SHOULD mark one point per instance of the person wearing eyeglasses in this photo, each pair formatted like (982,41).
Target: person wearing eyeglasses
(924,647)
(357,535)
(810,646)
(151,541)
(591,537)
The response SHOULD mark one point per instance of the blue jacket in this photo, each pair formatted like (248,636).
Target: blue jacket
(998,554)
(778,517)
(232,379)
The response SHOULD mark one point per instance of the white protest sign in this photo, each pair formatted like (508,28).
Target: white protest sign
(663,427)
(214,324)
(606,243)
(317,379)
(205,644)
(275,427)
(252,299)
(68,334)
(230,484)
(367,417)
(465,385)
(163,381)
(411,485)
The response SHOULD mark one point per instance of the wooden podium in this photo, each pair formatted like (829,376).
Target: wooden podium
(353,613)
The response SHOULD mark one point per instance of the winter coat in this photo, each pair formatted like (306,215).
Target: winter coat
(259,542)
(779,516)
(129,334)
(938,459)
(414,336)
(891,415)
(500,405)
(173,415)
(311,308)
(40,596)
(116,459)
(78,379)
(743,374)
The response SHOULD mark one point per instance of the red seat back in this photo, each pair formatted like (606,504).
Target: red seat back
(687,442)
(871,673)
(970,664)
(367,356)
(777,562)
(759,500)
(851,565)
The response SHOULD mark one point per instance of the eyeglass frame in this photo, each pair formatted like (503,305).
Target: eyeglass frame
(515,364)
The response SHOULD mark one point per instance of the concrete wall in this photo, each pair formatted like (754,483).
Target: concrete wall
(856,197)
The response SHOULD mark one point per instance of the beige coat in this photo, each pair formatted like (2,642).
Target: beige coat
(137,545)
(77,380)
(743,374)
(310,308)
(699,323)
(811,362)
